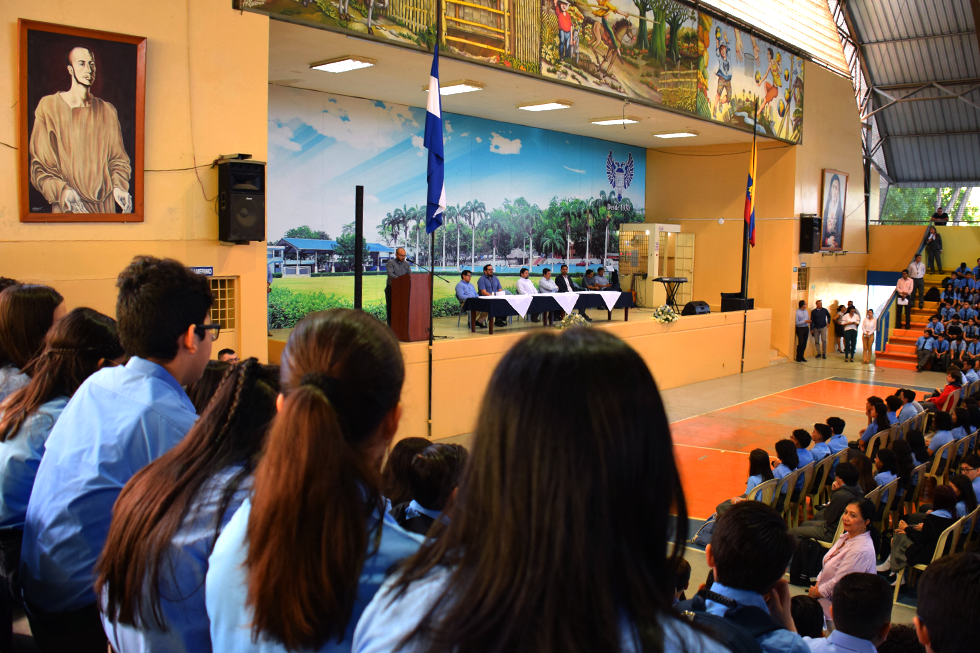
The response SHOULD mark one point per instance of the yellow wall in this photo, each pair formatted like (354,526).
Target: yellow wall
(694,186)
(206,94)
(892,246)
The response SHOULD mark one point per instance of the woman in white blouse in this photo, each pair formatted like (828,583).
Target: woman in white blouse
(868,325)
(853,553)
(850,322)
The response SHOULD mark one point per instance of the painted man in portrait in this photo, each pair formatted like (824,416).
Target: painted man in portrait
(77,157)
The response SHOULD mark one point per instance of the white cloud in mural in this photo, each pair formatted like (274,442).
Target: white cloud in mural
(282,136)
(418,142)
(449,128)
(501,145)
(581,172)
(479,140)
(464,134)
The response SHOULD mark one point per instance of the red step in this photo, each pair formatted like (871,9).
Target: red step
(897,348)
(894,364)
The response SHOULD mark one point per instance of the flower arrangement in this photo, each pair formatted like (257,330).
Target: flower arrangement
(665,315)
(573,320)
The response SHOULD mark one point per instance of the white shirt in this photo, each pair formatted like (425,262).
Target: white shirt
(547,285)
(568,283)
(526,287)
(868,325)
(850,322)
(917,270)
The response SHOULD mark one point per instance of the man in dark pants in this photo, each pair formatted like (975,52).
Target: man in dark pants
(819,321)
(396,268)
(904,301)
(917,270)
(802,331)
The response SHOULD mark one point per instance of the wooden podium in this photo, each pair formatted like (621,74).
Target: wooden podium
(411,300)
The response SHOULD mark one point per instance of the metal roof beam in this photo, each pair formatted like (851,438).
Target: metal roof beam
(950,95)
(928,134)
(918,38)
(975,6)
(945,82)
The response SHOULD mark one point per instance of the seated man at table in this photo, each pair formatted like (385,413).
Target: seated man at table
(546,285)
(488,286)
(589,281)
(601,279)
(565,284)
(464,291)
(526,287)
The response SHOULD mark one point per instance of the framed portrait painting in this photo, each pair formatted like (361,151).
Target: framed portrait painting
(82,96)
(833,199)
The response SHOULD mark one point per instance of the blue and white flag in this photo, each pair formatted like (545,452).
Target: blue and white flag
(436,202)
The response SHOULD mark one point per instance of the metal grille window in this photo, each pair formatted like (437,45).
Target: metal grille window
(223,311)
(803,279)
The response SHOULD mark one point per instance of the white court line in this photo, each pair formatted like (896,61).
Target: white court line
(694,446)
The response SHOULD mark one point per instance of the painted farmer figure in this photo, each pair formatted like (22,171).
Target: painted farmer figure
(564,29)
(724,72)
(77,158)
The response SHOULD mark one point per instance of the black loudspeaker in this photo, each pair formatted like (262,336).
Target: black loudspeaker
(732,301)
(696,308)
(809,234)
(241,201)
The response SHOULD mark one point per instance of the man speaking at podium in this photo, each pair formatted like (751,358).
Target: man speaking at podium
(396,267)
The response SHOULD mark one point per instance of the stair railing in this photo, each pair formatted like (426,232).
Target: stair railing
(883,326)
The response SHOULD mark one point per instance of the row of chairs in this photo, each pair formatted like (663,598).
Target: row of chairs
(961,536)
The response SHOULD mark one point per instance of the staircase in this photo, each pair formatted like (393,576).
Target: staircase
(900,351)
(775,358)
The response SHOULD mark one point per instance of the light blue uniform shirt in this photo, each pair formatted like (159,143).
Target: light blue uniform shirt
(942,346)
(937,327)
(820,451)
(892,417)
(907,412)
(805,457)
(227,585)
(782,471)
(971,374)
(120,420)
(959,433)
(925,343)
(753,482)
(837,443)
(388,620)
(884,478)
(11,379)
(838,642)
(938,440)
(182,572)
(20,456)
(870,432)
(464,291)
(776,641)
(802,315)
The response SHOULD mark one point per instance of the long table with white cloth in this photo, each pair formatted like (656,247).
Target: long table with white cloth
(520,305)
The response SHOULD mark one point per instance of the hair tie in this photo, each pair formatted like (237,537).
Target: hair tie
(328,385)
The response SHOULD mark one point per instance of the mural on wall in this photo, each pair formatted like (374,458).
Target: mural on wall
(660,52)
(518,196)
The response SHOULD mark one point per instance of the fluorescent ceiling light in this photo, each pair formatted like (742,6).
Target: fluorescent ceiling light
(455,88)
(620,120)
(343,64)
(677,135)
(546,106)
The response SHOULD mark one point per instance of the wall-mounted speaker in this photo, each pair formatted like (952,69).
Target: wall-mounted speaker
(241,201)
(809,234)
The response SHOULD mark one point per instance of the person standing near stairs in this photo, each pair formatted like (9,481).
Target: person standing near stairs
(904,289)
(819,321)
(934,249)
(868,326)
(917,270)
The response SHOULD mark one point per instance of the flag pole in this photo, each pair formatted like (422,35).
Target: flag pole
(432,235)
(745,236)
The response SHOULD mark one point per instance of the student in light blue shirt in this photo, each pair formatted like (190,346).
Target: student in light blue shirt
(969,373)
(801,438)
(27,312)
(789,461)
(961,425)
(760,471)
(152,573)
(342,378)
(76,347)
(886,467)
(839,442)
(894,404)
(118,421)
(944,426)
(746,573)
(879,422)
(910,407)
(861,610)
(821,436)
(936,326)
(531,589)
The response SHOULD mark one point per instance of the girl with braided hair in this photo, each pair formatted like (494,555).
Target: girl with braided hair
(151,573)
(76,347)
(306,552)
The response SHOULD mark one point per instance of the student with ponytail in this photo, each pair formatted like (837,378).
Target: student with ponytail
(302,557)
(167,518)
(75,348)
(27,312)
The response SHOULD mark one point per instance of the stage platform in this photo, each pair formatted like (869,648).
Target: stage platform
(692,349)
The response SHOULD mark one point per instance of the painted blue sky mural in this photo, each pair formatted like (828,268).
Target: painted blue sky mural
(322,145)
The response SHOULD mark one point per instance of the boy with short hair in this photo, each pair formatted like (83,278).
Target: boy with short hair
(118,421)
(948,596)
(820,435)
(748,554)
(433,477)
(861,609)
(839,442)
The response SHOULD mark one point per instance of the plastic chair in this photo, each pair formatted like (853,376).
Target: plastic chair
(789,482)
(763,492)
(912,495)
(840,530)
(875,496)
(460,317)
(794,515)
(942,477)
(891,489)
(954,532)
(968,537)
(877,441)
(950,401)
(965,444)
(818,485)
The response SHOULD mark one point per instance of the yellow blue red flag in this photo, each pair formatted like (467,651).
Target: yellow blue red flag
(750,197)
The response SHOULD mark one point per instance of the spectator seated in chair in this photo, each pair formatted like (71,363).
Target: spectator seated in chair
(948,596)
(824,523)
(925,350)
(820,435)
(861,611)
(839,442)
(600,279)
(433,477)
(914,544)
(954,381)
(759,472)
(808,617)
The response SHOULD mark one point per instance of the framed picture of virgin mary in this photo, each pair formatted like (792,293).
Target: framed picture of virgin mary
(82,95)
(833,198)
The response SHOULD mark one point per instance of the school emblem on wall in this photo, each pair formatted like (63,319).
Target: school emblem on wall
(620,174)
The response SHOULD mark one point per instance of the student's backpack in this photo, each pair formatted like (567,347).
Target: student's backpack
(703,536)
(932,295)
(807,562)
(738,630)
